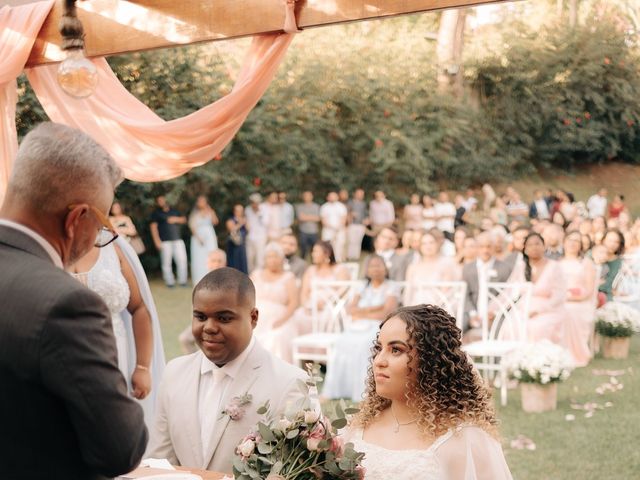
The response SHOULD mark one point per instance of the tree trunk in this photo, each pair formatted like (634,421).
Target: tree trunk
(449,51)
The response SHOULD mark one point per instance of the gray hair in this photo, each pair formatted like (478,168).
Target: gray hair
(57,165)
(275,248)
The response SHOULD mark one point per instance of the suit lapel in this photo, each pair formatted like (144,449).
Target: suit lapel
(245,379)
(190,409)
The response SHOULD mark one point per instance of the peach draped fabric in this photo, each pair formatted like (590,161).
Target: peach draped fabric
(145,146)
(19,27)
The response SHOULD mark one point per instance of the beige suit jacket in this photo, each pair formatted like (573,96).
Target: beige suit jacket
(176,432)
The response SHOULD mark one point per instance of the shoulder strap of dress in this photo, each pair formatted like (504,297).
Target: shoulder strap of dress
(444,437)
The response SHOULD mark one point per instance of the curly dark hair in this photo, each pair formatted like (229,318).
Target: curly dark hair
(448,391)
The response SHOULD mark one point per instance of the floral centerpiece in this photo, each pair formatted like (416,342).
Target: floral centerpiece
(302,444)
(616,322)
(539,367)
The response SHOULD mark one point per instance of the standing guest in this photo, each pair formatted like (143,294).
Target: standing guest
(539,209)
(347,367)
(334,224)
(412,213)
(498,212)
(202,220)
(381,212)
(470,199)
(547,313)
(287,213)
(257,231)
(461,211)
(195,424)
(597,204)
(273,216)
(617,206)
(429,215)
(580,273)
(64,409)
(125,228)
(237,241)
(165,231)
(308,215)
(292,262)
(216,259)
(427,414)
(613,241)
(276,300)
(446,215)
(489,197)
(358,220)
(516,209)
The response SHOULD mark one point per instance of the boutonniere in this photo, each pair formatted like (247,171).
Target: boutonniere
(493,273)
(235,408)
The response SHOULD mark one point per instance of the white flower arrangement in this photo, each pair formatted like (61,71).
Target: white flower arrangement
(616,319)
(541,362)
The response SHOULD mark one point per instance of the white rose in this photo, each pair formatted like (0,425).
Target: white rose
(311,416)
(283,424)
(246,448)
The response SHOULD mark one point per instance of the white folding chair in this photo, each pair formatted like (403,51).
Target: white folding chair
(509,303)
(354,269)
(327,322)
(449,296)
(626,285)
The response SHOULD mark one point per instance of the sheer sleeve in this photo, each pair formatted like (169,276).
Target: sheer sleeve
(472,454)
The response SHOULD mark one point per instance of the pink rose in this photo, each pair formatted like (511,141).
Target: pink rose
(337,446)
(361,471)
(235,411)
(316,436)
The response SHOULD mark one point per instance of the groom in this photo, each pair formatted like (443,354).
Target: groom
(208,400)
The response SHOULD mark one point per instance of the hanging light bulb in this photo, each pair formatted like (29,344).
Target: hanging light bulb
(77,75)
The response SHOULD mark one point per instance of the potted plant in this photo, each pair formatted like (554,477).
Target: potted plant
(539,367)
(615,323)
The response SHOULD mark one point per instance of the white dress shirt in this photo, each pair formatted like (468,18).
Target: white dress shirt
(214,381)
(55,256)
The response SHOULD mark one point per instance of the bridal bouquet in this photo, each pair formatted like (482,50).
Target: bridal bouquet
(541,362)
(300,445)
(616,319)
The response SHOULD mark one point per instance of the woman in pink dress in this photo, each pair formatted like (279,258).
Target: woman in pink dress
(547,311)
(412,213)
(580,273)
(276,300)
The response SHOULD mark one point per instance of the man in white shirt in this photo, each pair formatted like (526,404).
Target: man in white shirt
(597,204)
(208,400)
(257,231)
(381,212)
(287,213)
(446,214)
(333,215)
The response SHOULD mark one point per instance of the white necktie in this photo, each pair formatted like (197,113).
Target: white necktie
(212,410)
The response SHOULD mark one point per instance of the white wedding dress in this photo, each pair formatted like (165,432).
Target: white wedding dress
(466,453)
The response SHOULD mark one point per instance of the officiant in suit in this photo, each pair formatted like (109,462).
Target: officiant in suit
(487,266)
(64,407)
(208,400)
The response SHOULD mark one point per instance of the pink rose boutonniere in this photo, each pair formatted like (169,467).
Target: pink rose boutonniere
(235,408)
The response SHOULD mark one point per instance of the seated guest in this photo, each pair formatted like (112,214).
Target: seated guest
(580,273)
(432,267)
(486,267)
(347,369)
(324,268)
(276,300)
(385,245)
(193,426)
(613,241)
(547,312)
(516,246)
(553,235)
(293,262)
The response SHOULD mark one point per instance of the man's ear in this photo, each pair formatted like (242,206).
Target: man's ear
(254,317)
(72,218)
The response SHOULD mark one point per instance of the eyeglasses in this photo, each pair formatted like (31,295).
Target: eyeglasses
(107,233)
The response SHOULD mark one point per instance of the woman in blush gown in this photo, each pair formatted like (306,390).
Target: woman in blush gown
(114,272)
(580,273)
(432,267)
(427,414)
(276,301)
(547,311)
(203,237)
(347,368)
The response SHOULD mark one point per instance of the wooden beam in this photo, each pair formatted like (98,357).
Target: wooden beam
(120,26)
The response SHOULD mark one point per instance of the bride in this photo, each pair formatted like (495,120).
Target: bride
(426,413)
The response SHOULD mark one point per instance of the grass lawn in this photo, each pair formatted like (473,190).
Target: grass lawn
(604,446)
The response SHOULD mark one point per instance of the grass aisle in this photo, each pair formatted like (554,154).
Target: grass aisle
(604,446)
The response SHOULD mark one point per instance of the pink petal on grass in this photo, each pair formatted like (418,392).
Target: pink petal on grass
(569,417)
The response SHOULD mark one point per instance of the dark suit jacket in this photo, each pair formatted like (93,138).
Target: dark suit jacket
(64,409)
(470,276)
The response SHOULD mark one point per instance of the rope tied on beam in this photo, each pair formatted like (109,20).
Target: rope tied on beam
(71,28)
(290,25)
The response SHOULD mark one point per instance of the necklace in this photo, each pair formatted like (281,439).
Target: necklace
(396,429)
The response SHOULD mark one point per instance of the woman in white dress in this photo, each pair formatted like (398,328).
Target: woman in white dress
(276,300)
(114,272)
(347,368)
(427,414)
(203,237)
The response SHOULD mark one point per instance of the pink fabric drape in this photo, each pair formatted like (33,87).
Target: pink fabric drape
(145,146)
(19,27)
